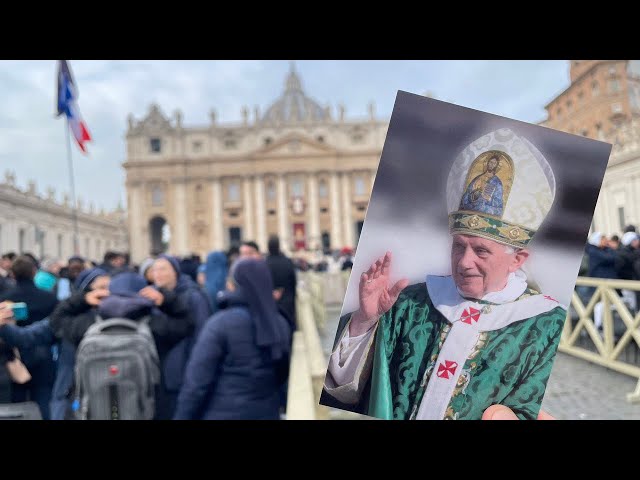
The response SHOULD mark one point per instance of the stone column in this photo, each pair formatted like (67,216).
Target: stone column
(348,227)
(314,214)
(180,245)
(217,215)
(283,215)
(336,212)
(609,221)
(261,224)
(137,225)
(249,222)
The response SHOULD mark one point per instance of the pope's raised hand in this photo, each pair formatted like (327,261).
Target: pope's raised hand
(376,295)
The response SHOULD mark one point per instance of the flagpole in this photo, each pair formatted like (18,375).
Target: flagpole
(74,212)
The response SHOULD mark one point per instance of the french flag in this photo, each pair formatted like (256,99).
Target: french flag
(68,105)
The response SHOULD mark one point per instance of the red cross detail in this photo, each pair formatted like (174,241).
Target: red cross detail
(470,315)
(548,297)
(446,368)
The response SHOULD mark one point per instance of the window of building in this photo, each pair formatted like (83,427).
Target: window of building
(235,236)
(559,112)
(616,108)
(595,89)
(271,191)
(322,189)
(585,133)
(272,213)
(359,186)
(59,245)
(234,192)
(268,140)
(157,196)
(357,138)
(155,145)
(598,129)
(614,85)
(320,138)
(612,70)
(230,143)
(324,210)
(569,103)
(197,146)
(621,218)
(86,248)
(296,187)
(580,96)
(326,241)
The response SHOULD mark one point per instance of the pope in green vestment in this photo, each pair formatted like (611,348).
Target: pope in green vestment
(451,346)
(509,366)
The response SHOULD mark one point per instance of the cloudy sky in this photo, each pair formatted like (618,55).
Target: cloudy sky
(32,142)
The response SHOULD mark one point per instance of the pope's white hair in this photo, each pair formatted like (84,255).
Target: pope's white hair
(509,250)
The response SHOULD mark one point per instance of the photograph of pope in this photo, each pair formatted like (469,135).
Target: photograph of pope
(450,347)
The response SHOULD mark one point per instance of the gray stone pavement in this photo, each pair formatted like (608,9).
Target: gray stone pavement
(577,389)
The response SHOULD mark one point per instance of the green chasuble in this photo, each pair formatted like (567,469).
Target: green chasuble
(509,366)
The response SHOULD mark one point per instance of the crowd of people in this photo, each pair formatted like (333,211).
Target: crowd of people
(222,329)
(612,257)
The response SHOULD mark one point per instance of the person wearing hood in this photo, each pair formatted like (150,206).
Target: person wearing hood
(169,320)
(241,358)
(47,276)
(168,278)
(69,322)
(601,257)
(145,270)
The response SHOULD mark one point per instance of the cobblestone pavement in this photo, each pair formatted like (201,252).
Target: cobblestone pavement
(577,389)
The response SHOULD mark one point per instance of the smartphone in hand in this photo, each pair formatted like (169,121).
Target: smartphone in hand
(20,311)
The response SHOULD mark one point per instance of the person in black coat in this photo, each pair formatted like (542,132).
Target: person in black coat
(601,257)
(38,360)
(241,358)
(283,274)
(626,257)
(167,277)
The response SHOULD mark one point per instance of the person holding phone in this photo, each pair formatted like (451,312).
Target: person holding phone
(32,305)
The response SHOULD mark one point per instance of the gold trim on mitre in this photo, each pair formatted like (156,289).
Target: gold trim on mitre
(514,233)
(474,222)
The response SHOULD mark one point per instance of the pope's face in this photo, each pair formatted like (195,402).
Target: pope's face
(480,266)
